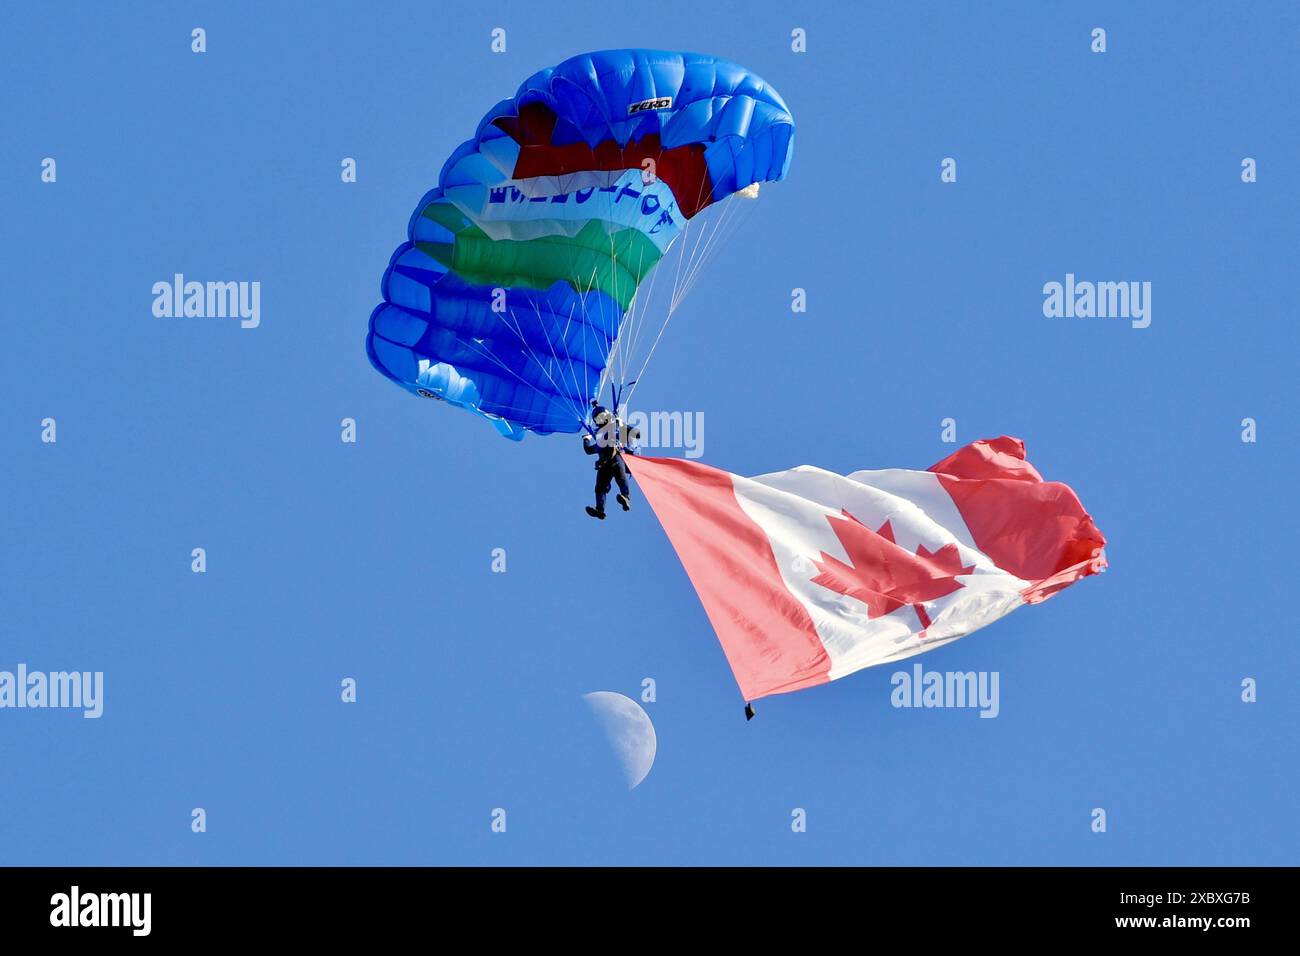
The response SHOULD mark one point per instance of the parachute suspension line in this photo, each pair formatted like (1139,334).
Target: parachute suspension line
(696,247)
(726,226)
(617,359)
(626,349)
(622,354)
(576,405)
(573,376)
(704,247)
(688,240)
(635,317)
(579,411)
(506,368)
(550,343)
(613,354)
(565,391)
(634,321)
(584,290)
(667,318)
(723,229)
(675,296)
(533,355)
(586,327)
(648,302)
(488,354)
(690,256)
(655,345)
(583,287)
(540,364)
(615,275)
(605,359)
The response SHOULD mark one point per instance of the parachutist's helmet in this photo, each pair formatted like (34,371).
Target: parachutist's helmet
(601,417)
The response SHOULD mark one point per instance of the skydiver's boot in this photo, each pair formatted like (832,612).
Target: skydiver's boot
(595,514)
(622,499)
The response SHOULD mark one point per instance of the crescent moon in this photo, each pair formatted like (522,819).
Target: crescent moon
(629,731)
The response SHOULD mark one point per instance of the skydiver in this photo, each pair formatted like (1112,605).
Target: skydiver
(612,437)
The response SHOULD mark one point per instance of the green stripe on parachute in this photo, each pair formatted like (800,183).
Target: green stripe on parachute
(615,263)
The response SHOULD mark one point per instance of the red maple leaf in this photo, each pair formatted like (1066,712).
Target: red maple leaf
(883,575)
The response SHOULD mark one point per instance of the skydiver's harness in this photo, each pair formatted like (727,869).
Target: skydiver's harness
(602,461)
(615,426)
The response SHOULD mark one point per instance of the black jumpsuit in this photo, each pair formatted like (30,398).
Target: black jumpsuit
(609,463)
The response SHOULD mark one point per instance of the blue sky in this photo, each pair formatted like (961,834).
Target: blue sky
(328,560)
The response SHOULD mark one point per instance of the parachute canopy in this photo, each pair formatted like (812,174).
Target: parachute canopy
(520,267)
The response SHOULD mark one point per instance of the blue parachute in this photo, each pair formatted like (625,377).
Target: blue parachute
(520,266)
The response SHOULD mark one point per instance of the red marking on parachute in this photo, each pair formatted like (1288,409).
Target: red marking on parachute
(682,167)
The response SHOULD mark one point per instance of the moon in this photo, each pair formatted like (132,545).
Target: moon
(629,731)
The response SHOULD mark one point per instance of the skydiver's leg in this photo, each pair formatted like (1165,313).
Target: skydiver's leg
(603,479)
(624,493)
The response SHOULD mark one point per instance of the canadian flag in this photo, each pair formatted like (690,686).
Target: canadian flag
(807,575)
